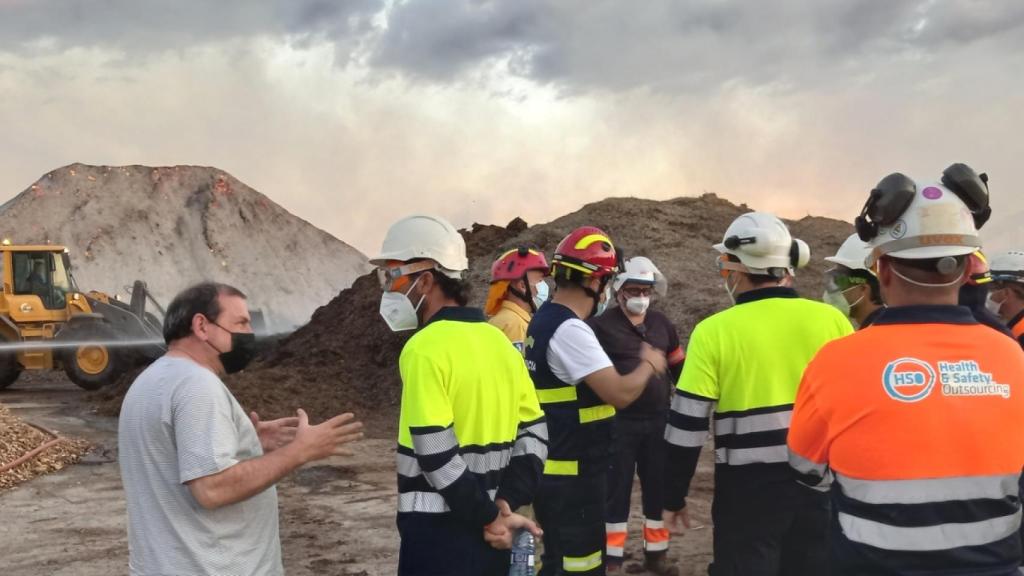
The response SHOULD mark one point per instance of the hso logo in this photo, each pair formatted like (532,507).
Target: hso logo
(908,379)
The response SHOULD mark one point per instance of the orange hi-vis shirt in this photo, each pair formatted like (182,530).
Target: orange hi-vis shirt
(921,420)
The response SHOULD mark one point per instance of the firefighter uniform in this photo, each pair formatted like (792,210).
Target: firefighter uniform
(921,420)
(471,430)
(743,367)
(570,503)
(512,320)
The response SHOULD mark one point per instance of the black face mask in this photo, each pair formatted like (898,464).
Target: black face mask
(243,350)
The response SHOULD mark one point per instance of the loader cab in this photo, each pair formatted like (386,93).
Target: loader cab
(37,282)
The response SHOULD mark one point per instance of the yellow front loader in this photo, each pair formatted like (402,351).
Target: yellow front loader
(46,323)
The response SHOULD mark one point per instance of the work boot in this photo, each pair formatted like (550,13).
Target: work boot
(657,563)
(613,567)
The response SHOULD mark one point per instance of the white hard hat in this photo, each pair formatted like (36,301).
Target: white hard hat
(852,254)
(427,237)
(641,270)
(935,224)
(1008,267)
(762,242)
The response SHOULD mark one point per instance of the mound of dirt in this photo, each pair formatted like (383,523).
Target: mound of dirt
(18,439)
(175,226)
(346,358)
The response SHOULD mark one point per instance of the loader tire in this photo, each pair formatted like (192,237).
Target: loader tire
(89,366)
(10,369)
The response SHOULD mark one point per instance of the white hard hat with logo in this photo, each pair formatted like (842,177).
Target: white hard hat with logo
(427,237)
(1008,267)
(852,254)
(936,224)
(762,243)
(641,270)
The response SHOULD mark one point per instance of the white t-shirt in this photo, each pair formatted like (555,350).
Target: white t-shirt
(574,352)
(178,423)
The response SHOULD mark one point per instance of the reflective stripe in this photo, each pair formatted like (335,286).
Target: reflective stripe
(753,423)
(615,539)
(571,564)
(654,524)
(690,407)
(610,527)
(552,395)
(656,536)
(595,413)
(430,502)
(685,438)
(408,466)
(930,490)
(741,456)
(540,430)
(562,467)
(487,462)
(530,445)
(446,475)
(652,546)
(589,239)
(805,466)
(616,551)
(434,442)
(928,538)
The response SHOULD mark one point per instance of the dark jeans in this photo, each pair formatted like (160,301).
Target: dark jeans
(639,451)
(439,545)
(775,529)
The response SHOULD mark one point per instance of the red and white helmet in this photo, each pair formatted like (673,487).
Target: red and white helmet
(514,264)
(586,251)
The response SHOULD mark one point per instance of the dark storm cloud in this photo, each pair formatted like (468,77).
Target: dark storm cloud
(666,45)
(146,26)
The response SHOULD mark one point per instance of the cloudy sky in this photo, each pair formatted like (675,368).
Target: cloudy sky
(352,113)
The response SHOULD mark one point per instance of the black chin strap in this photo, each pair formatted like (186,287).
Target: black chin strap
(525,297)
(596,296)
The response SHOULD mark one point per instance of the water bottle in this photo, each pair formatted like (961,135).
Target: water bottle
(523,548)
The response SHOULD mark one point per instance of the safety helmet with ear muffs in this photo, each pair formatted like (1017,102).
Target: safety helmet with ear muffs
(971,188)
(763,245)
(917,221)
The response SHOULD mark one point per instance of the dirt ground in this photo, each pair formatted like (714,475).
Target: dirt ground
(337,517)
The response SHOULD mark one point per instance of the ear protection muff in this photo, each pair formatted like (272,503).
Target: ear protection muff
(734,242)
(971,188)
(799,253)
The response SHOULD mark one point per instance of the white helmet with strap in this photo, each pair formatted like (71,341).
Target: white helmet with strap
(641,270)
(935,224)
(763,245)
(1008,267)
(852,254)
(426,237)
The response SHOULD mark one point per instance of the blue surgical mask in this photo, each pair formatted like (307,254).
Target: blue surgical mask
(541,293)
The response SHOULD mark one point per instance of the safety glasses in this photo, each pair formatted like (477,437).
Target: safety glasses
(637,291)
(390,277)
(725,266)
(836,281)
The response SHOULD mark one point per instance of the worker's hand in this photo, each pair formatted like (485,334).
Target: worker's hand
(503,506)
(676,521)
(655,357)
(499,534)
(326,439)
(274,434)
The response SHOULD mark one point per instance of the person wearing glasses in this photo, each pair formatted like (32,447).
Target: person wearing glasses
(918,422)
(850,287)
(743,366)
(472,440)
(640,427)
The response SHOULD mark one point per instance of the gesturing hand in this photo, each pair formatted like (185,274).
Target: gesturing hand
(326,439)
(274,434)
(676,521)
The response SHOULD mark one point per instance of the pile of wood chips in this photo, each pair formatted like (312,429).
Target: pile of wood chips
(18,438)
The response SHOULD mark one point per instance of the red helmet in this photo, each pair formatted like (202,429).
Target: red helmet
(586,251)
(512,265)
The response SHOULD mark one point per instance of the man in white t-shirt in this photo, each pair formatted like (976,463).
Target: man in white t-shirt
(198,472)
(579,389)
